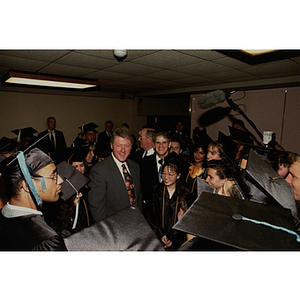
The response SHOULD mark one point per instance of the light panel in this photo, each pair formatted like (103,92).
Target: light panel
(49,81)
(257,52)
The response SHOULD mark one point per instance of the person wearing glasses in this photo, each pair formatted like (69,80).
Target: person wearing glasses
(31,179)
(146,141)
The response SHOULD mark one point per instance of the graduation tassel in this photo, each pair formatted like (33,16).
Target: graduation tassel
(238,217)
(19,136)
(27,176)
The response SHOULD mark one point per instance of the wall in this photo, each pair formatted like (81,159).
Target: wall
(265,108)
(19,110)
(163,106)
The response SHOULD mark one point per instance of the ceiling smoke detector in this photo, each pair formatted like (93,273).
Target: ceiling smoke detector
(120,55)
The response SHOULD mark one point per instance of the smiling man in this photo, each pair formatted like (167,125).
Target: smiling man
(115,181)
(151,170)
(31,178)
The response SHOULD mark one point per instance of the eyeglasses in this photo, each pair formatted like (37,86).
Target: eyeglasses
(142,137)
(53,177)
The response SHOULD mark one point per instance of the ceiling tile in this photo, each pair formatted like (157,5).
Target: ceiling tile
(167,74)
(231,62)
(64,70)
(195,80)
(268,69)
(140,80)
(104,74)
(21,64)
(42,55)
(132,68)
(204,54)
(108,54)
(232,75)
(202,68)
(167,59)
(86,61)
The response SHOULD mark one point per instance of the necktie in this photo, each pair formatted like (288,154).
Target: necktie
(51,136)
(129,184)
(161,162)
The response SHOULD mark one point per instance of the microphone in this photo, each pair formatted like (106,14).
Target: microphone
(211,99)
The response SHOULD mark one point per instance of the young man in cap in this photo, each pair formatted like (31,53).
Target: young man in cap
(111,188)
(31,178)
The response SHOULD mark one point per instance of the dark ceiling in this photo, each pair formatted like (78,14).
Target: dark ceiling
(156,72)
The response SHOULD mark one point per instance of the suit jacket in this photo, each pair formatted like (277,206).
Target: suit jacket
(104,143)
(46,145)
(149,178)
(108,193)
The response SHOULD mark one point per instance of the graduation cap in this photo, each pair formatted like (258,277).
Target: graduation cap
(126,230)
(203,186)
(23,133)
(73,180)
(89,127)
(7,144)
(223,223)
(184,165)
(273,184)
(229,145)
(78,153)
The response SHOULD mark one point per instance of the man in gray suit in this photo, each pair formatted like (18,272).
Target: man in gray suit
(112,188)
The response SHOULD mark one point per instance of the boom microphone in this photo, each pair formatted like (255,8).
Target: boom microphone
(211,99)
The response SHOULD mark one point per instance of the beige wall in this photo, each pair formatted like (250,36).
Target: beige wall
(19,110)
(265,109)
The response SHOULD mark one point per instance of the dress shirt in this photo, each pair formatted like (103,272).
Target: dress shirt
(52,136)
(119,165)
(148,153)
(13,211)
(157,162)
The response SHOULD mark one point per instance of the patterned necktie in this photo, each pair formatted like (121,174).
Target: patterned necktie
(129,184)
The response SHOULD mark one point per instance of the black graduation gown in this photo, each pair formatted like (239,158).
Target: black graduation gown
(28,232)
(62,219)
(171,208)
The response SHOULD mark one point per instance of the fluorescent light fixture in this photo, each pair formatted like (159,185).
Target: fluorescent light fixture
(49,81)
(257,52)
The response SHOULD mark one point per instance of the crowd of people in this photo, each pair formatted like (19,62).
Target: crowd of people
(158,173)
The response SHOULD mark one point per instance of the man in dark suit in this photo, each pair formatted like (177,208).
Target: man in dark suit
(54,144)
(104,138)
(112,191)
(151,169)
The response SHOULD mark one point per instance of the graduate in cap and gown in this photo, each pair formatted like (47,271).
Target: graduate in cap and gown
(25,136)
(72,214)
(168,205)
(31,178)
